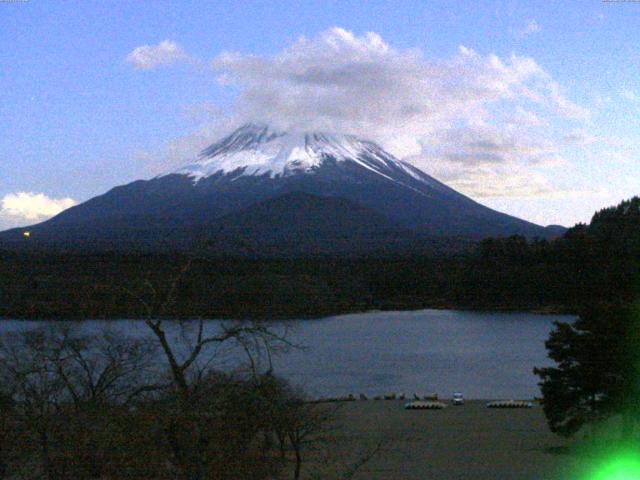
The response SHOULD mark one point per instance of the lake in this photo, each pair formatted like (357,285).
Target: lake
(483,355)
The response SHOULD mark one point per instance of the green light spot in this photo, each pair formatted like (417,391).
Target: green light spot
(624,466)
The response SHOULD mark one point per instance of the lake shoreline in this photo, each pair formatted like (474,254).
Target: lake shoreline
(481,354)
(538,310)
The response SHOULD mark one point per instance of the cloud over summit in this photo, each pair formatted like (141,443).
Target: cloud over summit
(459,113)
(342,82)
(459,117)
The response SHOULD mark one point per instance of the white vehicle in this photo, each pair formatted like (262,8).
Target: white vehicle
(457,399)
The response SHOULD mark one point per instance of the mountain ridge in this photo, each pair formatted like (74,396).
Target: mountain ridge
(255,164)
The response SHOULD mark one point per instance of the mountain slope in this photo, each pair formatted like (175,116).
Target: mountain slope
(299,214)
(299,223)
(255,164)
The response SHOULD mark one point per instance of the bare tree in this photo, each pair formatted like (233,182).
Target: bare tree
(306,423)
(87,402)
(189,348)
(64,382)
(254,338)
(37,389)
(103,368)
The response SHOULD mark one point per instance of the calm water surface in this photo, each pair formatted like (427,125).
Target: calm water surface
(483,355)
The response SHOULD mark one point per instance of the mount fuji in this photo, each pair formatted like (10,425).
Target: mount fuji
(276,187)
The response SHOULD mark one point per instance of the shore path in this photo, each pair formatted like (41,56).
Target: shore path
(465,442)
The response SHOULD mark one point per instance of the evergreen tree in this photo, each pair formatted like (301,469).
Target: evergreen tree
(597,373)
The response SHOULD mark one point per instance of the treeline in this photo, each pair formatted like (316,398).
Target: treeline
(77,404)
(71,286)
(593,387)
(589,261)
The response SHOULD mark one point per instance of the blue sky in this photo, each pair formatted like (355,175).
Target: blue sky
(81,113)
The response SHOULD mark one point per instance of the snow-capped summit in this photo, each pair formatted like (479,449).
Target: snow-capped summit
(256,150)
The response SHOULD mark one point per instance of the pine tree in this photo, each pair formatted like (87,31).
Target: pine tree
(598,370)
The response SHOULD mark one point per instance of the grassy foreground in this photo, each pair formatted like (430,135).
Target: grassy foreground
(467,442)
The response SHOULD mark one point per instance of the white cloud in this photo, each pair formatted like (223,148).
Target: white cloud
(530,28)
(565,107)
(500,161)
(630,95)
(500,180)
(148,57)
(361,85)
(479,115)
(580,137)
(524,118)
(28,206)
(486,163)
(487,144)
(494,185)
(173,155)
